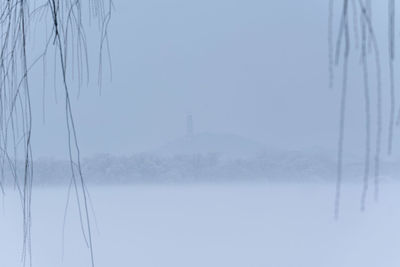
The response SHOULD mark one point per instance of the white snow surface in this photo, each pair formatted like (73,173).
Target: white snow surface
(246,225)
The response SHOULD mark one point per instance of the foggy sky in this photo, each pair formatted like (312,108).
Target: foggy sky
(252,68)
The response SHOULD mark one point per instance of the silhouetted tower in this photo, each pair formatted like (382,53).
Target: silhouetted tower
(189,126)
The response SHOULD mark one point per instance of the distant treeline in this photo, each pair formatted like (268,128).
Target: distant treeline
(151,168)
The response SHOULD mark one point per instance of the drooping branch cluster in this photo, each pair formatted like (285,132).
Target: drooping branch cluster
(30,31)
(370,60)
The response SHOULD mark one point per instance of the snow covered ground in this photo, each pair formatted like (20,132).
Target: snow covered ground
(246,225)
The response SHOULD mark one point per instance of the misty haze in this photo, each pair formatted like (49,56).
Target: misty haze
(199,133)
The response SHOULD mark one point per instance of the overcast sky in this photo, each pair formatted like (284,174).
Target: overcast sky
(257,69)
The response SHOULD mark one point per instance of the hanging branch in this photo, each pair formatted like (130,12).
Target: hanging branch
(344,30)
(391,46)
(367,115)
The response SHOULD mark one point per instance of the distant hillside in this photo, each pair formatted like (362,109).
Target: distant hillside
(224,145)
